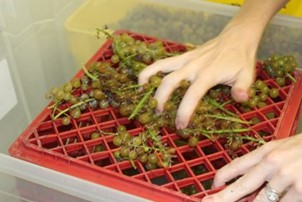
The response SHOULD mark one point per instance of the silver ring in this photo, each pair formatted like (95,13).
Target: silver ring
(271,194)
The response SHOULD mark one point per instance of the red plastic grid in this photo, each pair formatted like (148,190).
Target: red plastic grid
(70,150)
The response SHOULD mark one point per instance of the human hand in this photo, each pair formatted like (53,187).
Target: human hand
(279,163)
(227,59)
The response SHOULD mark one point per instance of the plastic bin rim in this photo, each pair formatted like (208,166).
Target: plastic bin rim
(197,5)
(61,182)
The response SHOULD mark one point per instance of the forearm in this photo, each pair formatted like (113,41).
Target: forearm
(252,19)
(259,12)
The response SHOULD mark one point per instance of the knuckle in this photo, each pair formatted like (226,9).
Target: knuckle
(272,159)
(285,172)
(169,80)
(241,185)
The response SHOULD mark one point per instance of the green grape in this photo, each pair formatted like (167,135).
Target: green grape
(117,154)
(169,106)
(261,104)
(98,94)
(115,59)
(152,103)
(235,144)
(96,84)
(274,92)
(125,136)
(144,118)
(143,158)
(132,155)
(152,158)
(265,89)
(252,103)
(124,151)
(73,99)
(104,104)
(95,135)
(66,121)
(75,113)
(67,87)
(99,148)
(137,141)
(155,80)
(147,58)
(121,128)
(60,95)
(279,73)
(67,96)
(263,97)
(183,133)
(117,140)
(280,81)
(184,84)
(54,91)
(193,141)
(259,84)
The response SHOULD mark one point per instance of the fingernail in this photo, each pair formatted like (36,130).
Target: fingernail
(179,125)
(207,199)
(240,95)
(158,111)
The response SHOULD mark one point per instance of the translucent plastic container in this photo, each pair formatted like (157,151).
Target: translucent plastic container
(293,7)
(71,150)
(23,181)
(185,21)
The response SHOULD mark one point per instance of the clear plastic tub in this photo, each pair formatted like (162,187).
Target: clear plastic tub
(190,21)
(23,181)
(71,150)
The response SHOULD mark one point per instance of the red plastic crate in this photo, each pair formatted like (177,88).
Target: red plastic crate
(68,149)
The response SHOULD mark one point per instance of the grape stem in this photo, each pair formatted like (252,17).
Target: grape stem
(227,102)
(291,77)
(94,78)
(130,87)
(233,119)
(217,105)
(141,103)
(259,141)
(132,163)
(106,133)
(71,107)
(224,131)
(207,133)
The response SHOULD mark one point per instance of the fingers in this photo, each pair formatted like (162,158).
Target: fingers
(244,185)
(168,84)
(165,65)
(241,165)
(191,98)
(173,63)
(280,182)
(242,84)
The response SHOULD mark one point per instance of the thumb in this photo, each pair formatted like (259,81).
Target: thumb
(242,84)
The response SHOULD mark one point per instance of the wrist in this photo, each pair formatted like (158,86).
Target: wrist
(247,34)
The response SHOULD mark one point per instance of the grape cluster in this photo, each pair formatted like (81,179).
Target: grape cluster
(259,93)
(146,147)
(113,83)
(281,67)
